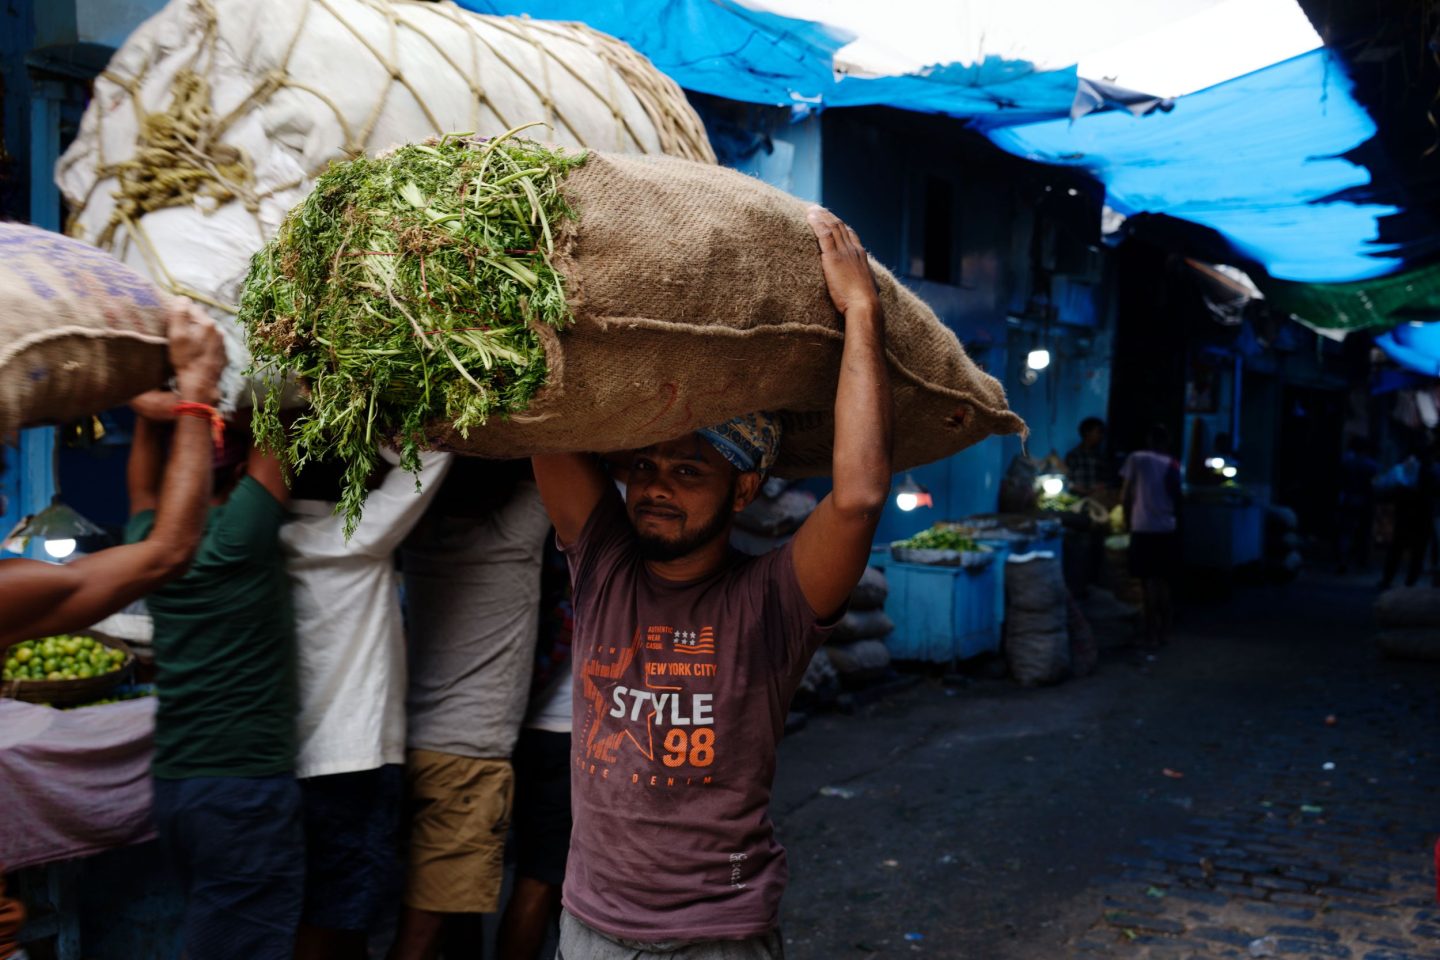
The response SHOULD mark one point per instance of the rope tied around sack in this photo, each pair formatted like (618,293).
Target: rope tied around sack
(178,160)
(180,157)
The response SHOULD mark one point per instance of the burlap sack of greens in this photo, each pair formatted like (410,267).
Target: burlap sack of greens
(501,298)
(79,331)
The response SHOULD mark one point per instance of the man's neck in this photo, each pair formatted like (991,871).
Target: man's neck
(697,564)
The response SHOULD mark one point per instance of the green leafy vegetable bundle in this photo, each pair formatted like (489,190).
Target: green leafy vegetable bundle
(405,289)
(940,538)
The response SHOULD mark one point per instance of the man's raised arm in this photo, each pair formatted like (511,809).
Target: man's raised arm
(571,485)
(832,548)
(39,599)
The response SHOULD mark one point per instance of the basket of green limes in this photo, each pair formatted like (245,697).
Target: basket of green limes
(64,669)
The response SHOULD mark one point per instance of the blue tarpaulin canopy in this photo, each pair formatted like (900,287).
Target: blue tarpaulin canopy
(1255,147)
(722,48)
(1257,158)
(1415,346)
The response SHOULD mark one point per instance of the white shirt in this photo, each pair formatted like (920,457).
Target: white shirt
(552,706)
(349,635)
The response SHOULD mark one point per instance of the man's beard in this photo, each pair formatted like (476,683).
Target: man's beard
(661,550)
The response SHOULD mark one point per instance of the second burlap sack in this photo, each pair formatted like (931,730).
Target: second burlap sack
(698,295)
(79,331)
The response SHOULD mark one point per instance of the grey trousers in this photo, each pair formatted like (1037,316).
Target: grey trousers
(580,942)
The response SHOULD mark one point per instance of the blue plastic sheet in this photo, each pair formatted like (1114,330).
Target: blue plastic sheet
(1259,158)
(1256,158)
(1415,346)
(721,48)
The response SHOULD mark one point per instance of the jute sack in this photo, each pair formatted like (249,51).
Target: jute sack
(79,331)
(1408,607)
(1410,643)
(698,295)
(215,116)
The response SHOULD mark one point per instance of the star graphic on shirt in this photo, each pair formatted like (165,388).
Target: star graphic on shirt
(605,733)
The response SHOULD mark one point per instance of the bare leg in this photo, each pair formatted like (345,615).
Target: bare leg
(527,918)
(418,936)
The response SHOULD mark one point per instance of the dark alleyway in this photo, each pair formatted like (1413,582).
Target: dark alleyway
(993,822)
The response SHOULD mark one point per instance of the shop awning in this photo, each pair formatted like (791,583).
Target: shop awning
(992,62)
(1414,346)
(1260,158)
(1261,144)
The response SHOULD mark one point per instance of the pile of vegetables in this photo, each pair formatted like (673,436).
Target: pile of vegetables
(1060,502)
(62,657)
(941,537)
(403,291)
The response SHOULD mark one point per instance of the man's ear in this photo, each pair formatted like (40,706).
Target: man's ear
(747,488)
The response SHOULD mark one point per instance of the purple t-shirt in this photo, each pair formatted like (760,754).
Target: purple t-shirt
(680,697)
(1154,480)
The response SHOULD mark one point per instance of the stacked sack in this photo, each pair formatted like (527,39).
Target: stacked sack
(766,524)
(215,116)
(1037,617)
(772,518)
(857,644)
(1409,621)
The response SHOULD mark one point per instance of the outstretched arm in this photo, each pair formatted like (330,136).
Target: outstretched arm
(832,548)
(571,485)
(38,599)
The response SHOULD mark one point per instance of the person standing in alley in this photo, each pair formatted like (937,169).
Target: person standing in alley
(1357,504)
(541,825)
(351,670)
(1150,498)
(1412,485)
(226,803)
(472,583)
(1089,470)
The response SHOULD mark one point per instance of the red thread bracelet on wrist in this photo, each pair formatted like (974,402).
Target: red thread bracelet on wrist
(205,412)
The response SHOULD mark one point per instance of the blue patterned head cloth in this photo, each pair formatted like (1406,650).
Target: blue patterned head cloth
(750,442)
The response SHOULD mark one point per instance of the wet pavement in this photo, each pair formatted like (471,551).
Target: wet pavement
(1267,785)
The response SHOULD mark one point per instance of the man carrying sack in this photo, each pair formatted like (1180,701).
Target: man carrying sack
(38,599)
(686,656)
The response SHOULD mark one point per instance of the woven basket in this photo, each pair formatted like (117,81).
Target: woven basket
(73,691)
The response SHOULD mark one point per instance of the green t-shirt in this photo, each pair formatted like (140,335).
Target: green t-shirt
(224,647)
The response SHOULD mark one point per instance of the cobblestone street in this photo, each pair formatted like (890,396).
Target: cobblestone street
(1265,786)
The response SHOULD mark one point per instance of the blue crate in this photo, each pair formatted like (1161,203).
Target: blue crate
(942,613)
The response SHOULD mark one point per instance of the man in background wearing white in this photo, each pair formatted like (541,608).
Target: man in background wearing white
(352,680)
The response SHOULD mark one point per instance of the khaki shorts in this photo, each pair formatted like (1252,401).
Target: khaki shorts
(457,833)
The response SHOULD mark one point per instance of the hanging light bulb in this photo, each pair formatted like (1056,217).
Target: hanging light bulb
(1052,486)
(910,495)
(57,527)
(1038,359)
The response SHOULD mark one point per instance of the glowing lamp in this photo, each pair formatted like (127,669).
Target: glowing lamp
(57,528)
(911,495)
(1038,359)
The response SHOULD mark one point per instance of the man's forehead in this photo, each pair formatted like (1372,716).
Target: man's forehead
(692,446)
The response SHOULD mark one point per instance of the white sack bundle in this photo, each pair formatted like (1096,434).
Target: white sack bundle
(215,116)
